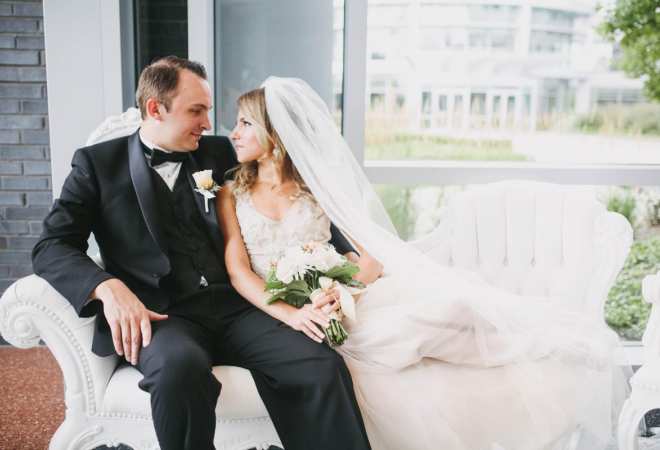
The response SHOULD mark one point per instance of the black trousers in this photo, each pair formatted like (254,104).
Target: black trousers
(305,386)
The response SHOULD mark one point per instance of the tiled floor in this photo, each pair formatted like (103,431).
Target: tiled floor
(32,405)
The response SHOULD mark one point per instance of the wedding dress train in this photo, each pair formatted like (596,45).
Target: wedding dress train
(467,366)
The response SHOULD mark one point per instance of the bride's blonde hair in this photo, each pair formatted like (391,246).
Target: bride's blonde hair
(253,105)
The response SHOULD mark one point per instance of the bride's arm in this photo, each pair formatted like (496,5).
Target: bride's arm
(370,268)
(249,285)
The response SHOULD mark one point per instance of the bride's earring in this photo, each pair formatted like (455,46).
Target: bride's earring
(277,153)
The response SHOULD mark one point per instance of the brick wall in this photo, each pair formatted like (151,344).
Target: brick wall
(25,183)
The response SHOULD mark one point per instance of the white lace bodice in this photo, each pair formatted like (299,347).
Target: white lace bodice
(267,239)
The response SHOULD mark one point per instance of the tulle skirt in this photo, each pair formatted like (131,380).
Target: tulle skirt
(468,366)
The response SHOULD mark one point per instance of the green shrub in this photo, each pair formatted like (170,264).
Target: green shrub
(589,123)
(637,119)
(625,309)
(623,203)
(398,203)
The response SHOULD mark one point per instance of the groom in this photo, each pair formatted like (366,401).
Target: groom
(163,300)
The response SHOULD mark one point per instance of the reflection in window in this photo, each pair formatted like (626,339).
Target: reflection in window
(161,29)
(502,39)
(474,69)
(493,13)
(552,18)
(400,101)
(435,15)
(549,42)
(442,38)
(478,104)
(387,16)
(478,39)
(442,103)
(377,101)
(290,38)
(426,102)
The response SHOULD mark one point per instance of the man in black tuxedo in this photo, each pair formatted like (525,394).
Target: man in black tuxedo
(163,300)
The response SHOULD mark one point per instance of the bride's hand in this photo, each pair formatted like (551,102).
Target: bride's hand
(327,302)
(308,319)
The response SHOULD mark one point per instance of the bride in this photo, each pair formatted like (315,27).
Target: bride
(439,358)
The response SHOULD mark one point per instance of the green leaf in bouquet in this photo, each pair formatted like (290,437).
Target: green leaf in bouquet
(295,299)
(312,278)
(275,297)
(299,286)
(343,273)
(272,285)
(295,293)
(272,282)
(355,284)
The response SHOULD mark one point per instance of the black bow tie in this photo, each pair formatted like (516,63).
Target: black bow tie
(160,157)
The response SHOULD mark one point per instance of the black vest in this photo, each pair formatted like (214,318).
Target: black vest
(195,265)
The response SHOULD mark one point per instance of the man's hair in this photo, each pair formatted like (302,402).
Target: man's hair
(160,79)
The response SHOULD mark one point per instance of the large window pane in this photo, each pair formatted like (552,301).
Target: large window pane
(417,210)
(289,38)
(456,77)
(161,29)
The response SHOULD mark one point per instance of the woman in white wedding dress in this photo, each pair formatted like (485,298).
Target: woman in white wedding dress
(439,358)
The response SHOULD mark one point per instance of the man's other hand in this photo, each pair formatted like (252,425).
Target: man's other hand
(129,320)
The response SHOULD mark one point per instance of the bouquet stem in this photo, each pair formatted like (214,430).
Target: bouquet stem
(335,333)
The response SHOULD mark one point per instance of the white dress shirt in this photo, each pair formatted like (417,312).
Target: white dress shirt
(169,170)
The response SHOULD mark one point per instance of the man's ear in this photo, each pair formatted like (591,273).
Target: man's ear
(153,108)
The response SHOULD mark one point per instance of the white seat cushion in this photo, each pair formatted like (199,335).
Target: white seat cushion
(238,398)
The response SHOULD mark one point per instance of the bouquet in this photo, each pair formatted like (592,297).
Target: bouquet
(307,271)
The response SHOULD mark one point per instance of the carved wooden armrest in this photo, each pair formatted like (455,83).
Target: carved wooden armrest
(30,310)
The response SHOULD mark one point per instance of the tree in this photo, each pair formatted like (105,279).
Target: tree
(635,25)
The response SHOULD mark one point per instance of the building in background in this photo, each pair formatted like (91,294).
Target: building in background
(446,66)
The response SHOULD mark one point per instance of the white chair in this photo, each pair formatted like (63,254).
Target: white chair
(528,237)
(645,383)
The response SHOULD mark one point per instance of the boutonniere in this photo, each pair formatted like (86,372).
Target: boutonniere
(206,186)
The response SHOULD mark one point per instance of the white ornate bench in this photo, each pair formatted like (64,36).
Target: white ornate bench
(539,239)
(104,405)
(530,238)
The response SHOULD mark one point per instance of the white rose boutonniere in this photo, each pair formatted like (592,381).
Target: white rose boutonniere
(206,186)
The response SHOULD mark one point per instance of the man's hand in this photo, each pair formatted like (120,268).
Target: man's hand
(129,320)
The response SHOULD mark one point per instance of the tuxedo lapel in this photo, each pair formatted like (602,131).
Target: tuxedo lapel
(142,182)
(210,218)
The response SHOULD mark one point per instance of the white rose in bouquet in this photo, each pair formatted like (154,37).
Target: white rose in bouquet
(304,272)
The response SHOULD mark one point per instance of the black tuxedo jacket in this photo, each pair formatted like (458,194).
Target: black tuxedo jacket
(109,192)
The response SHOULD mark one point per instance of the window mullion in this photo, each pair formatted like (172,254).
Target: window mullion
(355,75)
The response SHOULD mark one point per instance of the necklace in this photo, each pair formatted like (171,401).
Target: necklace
(278,190)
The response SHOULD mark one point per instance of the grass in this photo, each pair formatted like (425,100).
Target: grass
(413,146)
